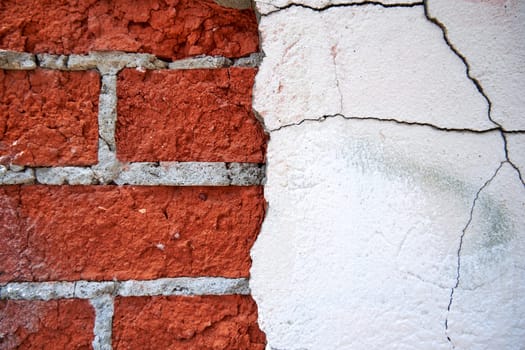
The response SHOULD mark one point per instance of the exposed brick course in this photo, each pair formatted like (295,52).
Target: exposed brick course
(107,232)
(170,29)
(209,322)
(55,324)
(188,115)
(48,117)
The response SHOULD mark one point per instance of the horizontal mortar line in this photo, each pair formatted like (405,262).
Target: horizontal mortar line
(178,286)
(110,62)
(143,174)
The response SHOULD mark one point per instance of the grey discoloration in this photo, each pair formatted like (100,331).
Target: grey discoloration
(201,62)
(185,286)
(17,60)
(107,112)
(93,290)
(243,174)
(108,166)
(190,174)
(10,177)
(112,62)
(38,291)
(50,61)
(88,290)
(104,310)
(65,175)
(236,4)
(254,60)
(110,170)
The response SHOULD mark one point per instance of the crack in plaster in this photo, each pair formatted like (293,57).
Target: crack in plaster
(329,6)
(505,143)
(387,120)
(435,21)
(460,247)
(476,82)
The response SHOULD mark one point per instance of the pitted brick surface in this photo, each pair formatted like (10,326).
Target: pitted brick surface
(56,324)
(107,232)
(48,117)
(188,115)
(170,29)
(209,322)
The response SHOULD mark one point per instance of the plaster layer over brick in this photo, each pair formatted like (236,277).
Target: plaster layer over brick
(387,63)
(362,232)
(489,34)
(268,6)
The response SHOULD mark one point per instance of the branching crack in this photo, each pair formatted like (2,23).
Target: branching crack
(520,175)
(475,81)
(329,6)
(460,247)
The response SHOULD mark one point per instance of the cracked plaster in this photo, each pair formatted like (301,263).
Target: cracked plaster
(489,34)
(487,309)
(394,200)
(270,6)
(387,63)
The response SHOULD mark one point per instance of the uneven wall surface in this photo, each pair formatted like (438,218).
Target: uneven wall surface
(131,167)
(395,175)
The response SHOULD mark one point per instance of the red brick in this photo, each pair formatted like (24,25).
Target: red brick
(188,115)
(56,324)
(106,232)
(48,117)
(209,322)
(167,28)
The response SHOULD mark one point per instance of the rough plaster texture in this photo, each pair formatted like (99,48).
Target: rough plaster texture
(387,63)
(489,34)
(269,6)
(385,228)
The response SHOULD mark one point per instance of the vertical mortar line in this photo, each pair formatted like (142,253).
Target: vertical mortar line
(103,327)
(107,115)
(108,167)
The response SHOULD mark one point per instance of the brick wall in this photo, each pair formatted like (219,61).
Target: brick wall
(131,165)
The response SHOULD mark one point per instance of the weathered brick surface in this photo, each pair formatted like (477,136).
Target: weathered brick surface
(56,324)
(166,28)
(188,115)
(210,322)
(48,117)
(106,232)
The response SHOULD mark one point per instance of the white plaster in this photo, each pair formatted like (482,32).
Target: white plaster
(516,149)
(488,311)
(268,6)
(363,61)
(490,34)
(359,246)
